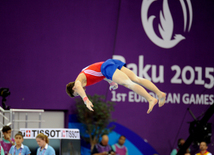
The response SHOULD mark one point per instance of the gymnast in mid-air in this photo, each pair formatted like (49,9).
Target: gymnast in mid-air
(114,72)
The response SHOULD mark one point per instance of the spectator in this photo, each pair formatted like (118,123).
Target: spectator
(44,148)
(179,145)
(203,147)
(7,142)
(119,148)
(103,148)
(19,148)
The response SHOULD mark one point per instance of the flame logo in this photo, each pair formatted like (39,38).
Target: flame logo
(166,25)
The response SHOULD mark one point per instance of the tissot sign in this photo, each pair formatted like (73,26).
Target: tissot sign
(52,133)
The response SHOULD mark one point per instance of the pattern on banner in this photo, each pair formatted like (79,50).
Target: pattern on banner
(63,133)
(166,25)
(28,133)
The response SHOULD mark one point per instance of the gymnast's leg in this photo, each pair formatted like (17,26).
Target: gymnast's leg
(122,79)
(146,83)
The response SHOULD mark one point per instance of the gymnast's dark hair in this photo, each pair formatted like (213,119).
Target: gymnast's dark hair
(19,134)
(69,89)
(6,128)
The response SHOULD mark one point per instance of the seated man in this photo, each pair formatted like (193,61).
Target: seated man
(103,148)
(119,148)
(203,147)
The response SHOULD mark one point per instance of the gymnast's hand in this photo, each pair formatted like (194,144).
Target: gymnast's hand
(113,86)
(88,103)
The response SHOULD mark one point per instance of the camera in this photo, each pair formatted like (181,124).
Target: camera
(4,92)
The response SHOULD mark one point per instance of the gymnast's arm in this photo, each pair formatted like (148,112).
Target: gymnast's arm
(78,87)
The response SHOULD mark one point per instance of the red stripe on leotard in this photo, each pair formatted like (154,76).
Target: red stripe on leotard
(93,73)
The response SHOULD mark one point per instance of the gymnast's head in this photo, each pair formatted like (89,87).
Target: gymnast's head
(70,89)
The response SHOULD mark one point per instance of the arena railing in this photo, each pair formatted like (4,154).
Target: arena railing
(11,119)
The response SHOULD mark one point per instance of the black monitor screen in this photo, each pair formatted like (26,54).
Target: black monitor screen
(70,147)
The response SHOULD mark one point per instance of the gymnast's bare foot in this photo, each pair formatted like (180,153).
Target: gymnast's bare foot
(162,98)
(152,103)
